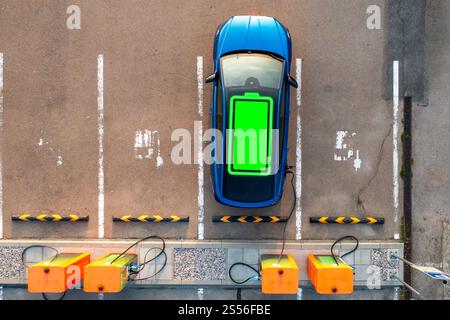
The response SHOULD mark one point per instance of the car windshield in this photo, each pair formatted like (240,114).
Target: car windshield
(251,70)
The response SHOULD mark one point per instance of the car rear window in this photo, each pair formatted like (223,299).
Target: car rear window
(243,68)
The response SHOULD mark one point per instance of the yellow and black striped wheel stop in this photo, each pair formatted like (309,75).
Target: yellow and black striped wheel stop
(346,220)
(150,218)
(249,219)
(50,218)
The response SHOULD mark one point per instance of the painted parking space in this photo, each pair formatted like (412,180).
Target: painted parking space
(49,124)
(98,108)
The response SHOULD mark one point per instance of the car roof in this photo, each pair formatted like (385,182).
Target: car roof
(253,33)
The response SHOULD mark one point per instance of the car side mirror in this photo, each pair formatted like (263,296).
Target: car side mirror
(292,82)
(211,78)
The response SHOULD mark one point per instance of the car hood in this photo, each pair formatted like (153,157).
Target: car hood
(253,33)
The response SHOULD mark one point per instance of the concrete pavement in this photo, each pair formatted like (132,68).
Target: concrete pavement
(431,151)
(150,49)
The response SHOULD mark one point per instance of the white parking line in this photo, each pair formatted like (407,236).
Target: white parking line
(299,293)
(396,293)
(200,293)
(395,137)
(101,133)
(201,198)
(1,138)
(298,153)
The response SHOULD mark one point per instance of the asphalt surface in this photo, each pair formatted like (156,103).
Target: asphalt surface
(206,293)
(431,151)
(50,151)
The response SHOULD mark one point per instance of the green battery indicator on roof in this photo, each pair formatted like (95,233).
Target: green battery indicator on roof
(249,143)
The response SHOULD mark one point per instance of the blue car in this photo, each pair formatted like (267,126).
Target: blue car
(250,110)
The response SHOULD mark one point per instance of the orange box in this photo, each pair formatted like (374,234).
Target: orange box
(57,274)
(104,275)
(327,277)
(279,276)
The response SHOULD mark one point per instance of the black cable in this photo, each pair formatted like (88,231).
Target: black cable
(294,204)
(245,265)
(37,246)
(142,265)
(139,241)
(347,253)
(156,272)
(51,259)
(60,298)
(161,252)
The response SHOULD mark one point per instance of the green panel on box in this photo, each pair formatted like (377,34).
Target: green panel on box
(326,259)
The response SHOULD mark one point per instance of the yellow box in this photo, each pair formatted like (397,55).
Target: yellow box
(57,274)
(279,276)
(104,276)
(327,277)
